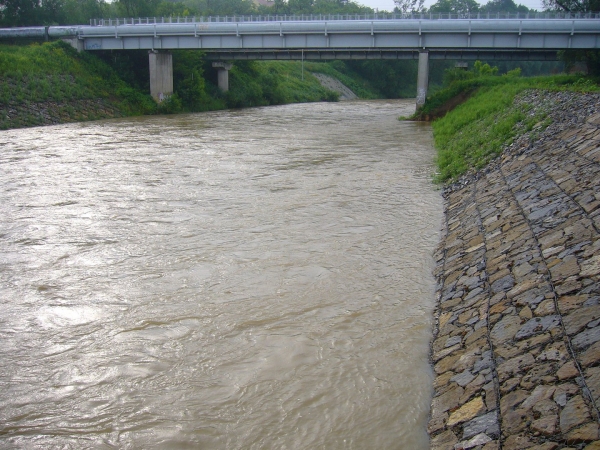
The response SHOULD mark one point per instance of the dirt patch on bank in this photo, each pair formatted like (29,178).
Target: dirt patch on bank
(441,111)
(335,85)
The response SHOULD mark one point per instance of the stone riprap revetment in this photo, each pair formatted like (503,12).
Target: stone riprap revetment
(516,349)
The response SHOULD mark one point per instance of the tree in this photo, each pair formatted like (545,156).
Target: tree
(503,6)
(172,9)
(20,13)
(52,12)
(81,11)
(460,7)
(571,5)
(408,6)
(138,8)
(300,6)
(339,7)
(279,7)
(590,57)
(230,7)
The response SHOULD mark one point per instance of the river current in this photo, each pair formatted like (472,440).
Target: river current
(255,279)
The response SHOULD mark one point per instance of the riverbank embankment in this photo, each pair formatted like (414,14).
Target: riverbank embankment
(50,83)
(28,114)
(516,349)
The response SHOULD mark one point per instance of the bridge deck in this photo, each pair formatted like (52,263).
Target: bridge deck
(322,35)
(360,38)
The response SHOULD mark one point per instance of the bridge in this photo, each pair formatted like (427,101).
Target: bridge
(421,36)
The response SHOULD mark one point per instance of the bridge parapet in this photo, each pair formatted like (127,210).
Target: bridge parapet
(330,17)
(410,35)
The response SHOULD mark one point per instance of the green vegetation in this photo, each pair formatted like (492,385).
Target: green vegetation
(52,83)
(474,132)
(56,72)
(66,12)
(254,83)
(251,83)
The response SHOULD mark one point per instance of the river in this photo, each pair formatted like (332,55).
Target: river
(254,279)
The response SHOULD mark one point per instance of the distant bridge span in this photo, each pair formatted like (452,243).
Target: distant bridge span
(420,37)
(342,39)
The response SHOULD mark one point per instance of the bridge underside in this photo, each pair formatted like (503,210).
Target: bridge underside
(329,54)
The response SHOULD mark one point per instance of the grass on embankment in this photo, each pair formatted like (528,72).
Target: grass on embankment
(472,134)
(66,82)
(264,83)
(51,83)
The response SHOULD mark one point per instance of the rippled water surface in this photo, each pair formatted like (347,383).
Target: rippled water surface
(256,279)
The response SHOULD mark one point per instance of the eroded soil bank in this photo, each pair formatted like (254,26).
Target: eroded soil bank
(516,350)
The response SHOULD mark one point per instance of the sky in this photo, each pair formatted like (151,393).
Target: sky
(388,5)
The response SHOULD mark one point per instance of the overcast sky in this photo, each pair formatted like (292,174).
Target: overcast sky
(388,5)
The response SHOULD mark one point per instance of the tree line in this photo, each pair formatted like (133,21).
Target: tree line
(14,13)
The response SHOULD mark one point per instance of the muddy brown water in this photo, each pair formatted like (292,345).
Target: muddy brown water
(256,279)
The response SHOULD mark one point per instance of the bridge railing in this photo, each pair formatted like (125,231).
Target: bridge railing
(329,17)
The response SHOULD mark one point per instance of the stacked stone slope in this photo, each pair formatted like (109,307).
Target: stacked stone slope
(516,351)
(29,114)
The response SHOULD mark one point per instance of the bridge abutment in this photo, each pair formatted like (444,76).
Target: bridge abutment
(75,42)
(422,78)
(161,74)
(223,74)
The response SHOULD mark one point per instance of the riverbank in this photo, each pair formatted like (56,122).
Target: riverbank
(50,83)
(516,348)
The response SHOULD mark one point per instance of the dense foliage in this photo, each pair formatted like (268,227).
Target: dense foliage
(64,12)
(572,5)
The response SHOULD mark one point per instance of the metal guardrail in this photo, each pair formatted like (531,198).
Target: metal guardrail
(330,17)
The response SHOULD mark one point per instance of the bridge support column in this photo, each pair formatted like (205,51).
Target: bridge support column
(422,78)
(161,75)
(223,74)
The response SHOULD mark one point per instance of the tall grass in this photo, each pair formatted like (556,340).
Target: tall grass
(56,72)
(474,133)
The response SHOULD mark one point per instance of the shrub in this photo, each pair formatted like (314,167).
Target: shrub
(170,105)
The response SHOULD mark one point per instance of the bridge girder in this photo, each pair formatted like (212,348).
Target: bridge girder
(347,54)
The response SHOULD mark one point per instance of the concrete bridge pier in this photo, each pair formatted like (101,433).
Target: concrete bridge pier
(223,74)
(161,75)
(422,78)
